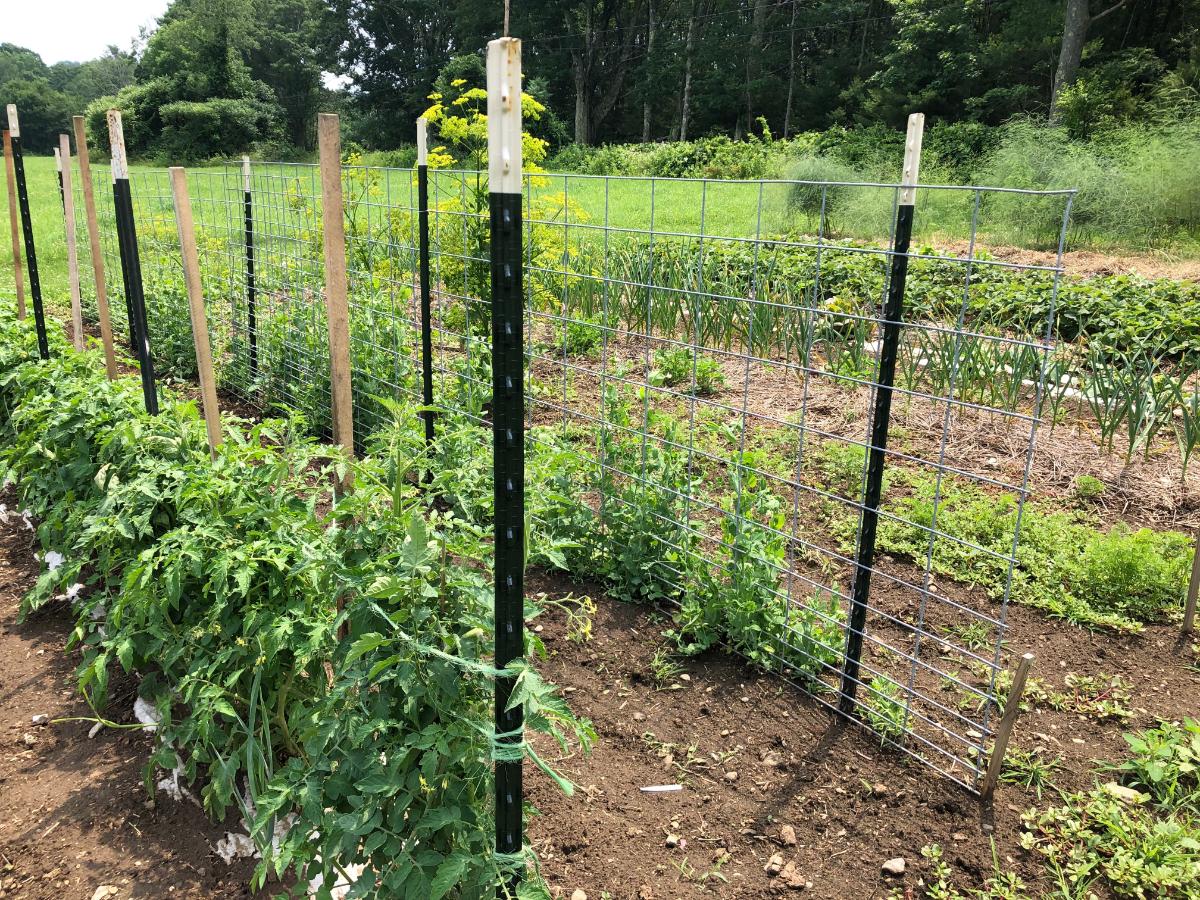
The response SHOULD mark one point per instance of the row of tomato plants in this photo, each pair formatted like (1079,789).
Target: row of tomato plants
(317,664)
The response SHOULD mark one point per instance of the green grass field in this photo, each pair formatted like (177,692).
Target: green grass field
(596,209)
(48,234)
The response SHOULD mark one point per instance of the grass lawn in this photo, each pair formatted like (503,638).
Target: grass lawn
(627,206)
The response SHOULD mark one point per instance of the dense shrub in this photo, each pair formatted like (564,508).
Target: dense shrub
(1132,573)
(217,582)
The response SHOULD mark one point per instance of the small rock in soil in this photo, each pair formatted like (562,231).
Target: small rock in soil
(639,717)
(879,789)
(774,865)
(731,776)
(894,866)
(791,876)
(787,836)
(40,719)
(578,894)
(672,840)
(28,739)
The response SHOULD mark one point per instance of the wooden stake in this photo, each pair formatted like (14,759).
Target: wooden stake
(195,291)
(330,143)
(1189,609)
(912,158)
(64,154)
(93,227)
(14,218)
(1004,730)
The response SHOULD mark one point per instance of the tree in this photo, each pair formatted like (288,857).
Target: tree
(1077,20)
(285,54)
(45,113)
(391,50)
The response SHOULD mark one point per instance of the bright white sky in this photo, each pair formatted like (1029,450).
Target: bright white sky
(76,30)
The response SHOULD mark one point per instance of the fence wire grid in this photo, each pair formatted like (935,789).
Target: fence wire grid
(702,364)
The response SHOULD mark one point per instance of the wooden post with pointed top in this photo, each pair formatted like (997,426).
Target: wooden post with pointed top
(68,200)
(15,223)
(199,319)
(1012,706)
(97,250)
(329,141)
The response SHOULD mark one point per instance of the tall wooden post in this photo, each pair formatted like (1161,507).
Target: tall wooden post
(97,251)
(329,141)
(1004,730)
(15,224)
(195,291)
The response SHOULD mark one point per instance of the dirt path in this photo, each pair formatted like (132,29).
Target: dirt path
(74,814)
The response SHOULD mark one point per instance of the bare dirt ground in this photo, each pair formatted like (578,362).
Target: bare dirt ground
(1093,262)
(849,804)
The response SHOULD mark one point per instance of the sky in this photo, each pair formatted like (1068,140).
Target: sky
(76,30)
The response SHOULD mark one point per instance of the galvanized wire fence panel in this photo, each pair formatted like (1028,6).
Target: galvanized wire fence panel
(702,361)
(708,351)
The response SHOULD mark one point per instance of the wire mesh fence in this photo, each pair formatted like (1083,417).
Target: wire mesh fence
(703,366)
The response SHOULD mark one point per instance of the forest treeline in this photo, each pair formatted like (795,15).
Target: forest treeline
(225,76)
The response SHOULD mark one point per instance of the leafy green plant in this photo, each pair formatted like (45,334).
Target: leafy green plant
(680,366)
(227,583)
(884,707)
(1088,488)
(1140,574)
(1031,769)
(1117,840)
(1164,762)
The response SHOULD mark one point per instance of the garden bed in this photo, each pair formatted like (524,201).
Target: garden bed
(851,804)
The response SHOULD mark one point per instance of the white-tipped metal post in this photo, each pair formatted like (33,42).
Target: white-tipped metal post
(31,266)
(131,266)
(423,275)
(890,325)
(68,196)
(508,429)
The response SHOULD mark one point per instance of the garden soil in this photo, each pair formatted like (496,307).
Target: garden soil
(764,770)
(762,766)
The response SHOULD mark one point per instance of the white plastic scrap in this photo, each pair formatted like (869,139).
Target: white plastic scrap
(146,714)
(344,882)
(235,846)
(170,786)
(54,559)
